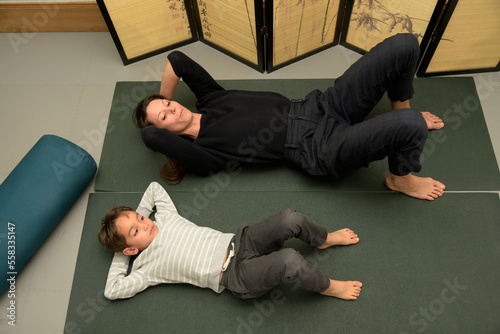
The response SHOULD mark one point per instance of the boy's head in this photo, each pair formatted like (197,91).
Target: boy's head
(124,230)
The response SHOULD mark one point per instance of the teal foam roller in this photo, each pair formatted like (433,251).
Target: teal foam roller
(34,198)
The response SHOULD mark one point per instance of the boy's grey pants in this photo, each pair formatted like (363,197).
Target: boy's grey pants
(260,263)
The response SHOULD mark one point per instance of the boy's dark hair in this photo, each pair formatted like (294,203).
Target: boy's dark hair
(108,234)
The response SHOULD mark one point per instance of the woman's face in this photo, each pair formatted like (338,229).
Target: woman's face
(170,115)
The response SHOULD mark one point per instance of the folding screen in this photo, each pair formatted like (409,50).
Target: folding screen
(141,29)
(233,27)
(454,35)
(368,22)
(295,28)
(468,40)
(298,28)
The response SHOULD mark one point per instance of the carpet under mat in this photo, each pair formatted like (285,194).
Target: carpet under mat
(460,155)
(425,267)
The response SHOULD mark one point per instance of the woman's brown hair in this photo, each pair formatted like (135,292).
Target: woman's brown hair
(172,171)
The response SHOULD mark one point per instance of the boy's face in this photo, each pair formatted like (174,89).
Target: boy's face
(137,230)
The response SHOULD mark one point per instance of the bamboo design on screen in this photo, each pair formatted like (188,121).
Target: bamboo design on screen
(372,21)
(302,26)
(373,15)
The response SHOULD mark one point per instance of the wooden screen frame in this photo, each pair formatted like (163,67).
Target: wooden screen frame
(433,40)
(116,39)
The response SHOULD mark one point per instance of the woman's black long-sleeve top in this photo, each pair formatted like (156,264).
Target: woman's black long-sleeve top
(248,127)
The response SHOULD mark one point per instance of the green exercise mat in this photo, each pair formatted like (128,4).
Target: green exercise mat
(425,267)
(460,155)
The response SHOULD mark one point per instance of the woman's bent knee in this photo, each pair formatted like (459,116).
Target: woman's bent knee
(407,43)
(413,124)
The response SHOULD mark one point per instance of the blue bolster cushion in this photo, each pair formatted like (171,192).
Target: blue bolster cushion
(34,198)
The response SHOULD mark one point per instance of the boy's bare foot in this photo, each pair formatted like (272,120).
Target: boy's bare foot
(348,290)
(433,122)
(342,237)
(414,186)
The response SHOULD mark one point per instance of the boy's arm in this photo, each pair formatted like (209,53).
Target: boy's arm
(155,196)
(118,284)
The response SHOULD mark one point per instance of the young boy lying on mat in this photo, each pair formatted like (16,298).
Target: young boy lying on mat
(248,263)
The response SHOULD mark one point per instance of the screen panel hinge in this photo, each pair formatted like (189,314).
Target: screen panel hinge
(264,32)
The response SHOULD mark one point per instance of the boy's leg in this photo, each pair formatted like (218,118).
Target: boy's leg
(262,264)
(259,274)
(271,233)
(389,67)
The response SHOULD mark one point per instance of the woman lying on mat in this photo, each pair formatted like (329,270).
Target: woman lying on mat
(249,263)
(324,134)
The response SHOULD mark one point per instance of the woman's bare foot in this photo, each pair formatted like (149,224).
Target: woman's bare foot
(433,122)
(342,237)
(348,290)
(414,186)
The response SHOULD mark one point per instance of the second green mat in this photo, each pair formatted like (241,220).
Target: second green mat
(460,155)
(425,267)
